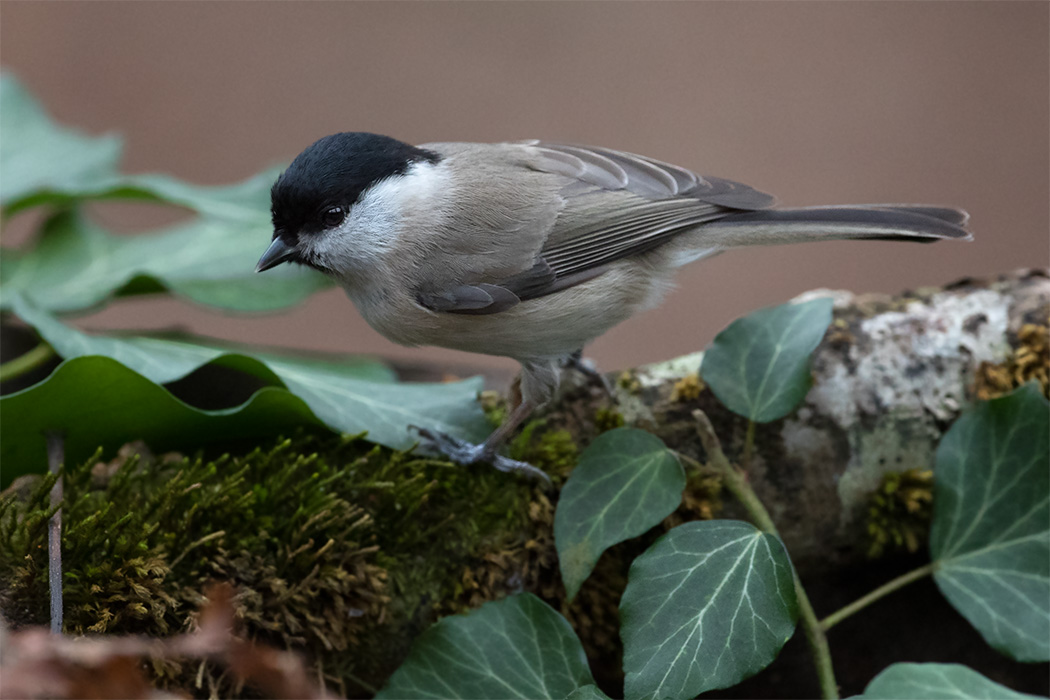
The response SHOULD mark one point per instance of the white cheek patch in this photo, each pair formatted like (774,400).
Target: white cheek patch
(376,223)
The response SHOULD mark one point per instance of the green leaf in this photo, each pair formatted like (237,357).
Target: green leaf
(759,366)
(74,265)
(626,482)
(936,682)
(990,538)
(165,359)
(37,154)
(98,402)
(42,163)
(518,647)
(709,604)
(353,397)
(241,201)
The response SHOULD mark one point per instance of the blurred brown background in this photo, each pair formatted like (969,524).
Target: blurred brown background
(817,102)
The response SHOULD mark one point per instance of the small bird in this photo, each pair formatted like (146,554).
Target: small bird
(528,250)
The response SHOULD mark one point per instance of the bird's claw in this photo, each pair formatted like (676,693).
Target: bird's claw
(466,453)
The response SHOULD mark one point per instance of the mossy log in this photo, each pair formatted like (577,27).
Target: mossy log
(889,377)
(346,551)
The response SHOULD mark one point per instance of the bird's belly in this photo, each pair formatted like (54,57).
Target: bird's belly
(552,326)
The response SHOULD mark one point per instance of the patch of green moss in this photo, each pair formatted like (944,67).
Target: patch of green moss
(495,407)
(606,419)
(553,451)
(337,548)
(899,512)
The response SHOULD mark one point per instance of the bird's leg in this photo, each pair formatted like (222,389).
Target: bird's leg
(464,453)
(586,368)
(500,434)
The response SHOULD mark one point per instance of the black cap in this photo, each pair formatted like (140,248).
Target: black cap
(333,172)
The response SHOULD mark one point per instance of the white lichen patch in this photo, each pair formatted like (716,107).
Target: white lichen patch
(806,444)
(906,369)
(914,361)
(630,401)
(660,373)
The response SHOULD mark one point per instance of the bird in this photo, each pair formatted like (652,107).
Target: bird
(529,249)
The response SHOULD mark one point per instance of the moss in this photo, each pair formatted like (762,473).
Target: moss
(508,562)
(333,545)
(1029,361)
(899,512)
(553,451)
(701,500)
(495,407)
(606,419)
(688,388)
(339,549)
(628,381)
(840,334)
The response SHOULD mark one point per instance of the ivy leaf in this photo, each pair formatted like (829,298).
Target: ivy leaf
(43,163)
(936,682)
(353,397)
(98,402)
(990,538)
(37,154)
(75,265)
(165,359)
(708,605)
(518,647)
(626,482)
(246,200)
(759,365)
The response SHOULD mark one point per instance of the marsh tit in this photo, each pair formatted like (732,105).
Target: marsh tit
(528,250)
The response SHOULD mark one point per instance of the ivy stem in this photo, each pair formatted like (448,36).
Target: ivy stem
(26,362)
(736,481)
(880,592)
(749,445)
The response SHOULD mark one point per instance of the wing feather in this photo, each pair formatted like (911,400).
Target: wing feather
(648,177)
(659,201)
(616,205)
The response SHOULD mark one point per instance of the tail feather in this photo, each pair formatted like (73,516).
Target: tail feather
(959,217)
(876,222)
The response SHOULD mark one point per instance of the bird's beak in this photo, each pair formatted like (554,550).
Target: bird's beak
(277,253)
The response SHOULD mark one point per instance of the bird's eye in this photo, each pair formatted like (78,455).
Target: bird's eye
(333,216)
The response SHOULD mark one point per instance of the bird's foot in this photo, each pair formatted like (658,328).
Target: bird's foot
(466,453)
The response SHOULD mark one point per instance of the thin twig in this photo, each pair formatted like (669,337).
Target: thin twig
(736,481)
(26,362)
(880,592)
(54,531)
